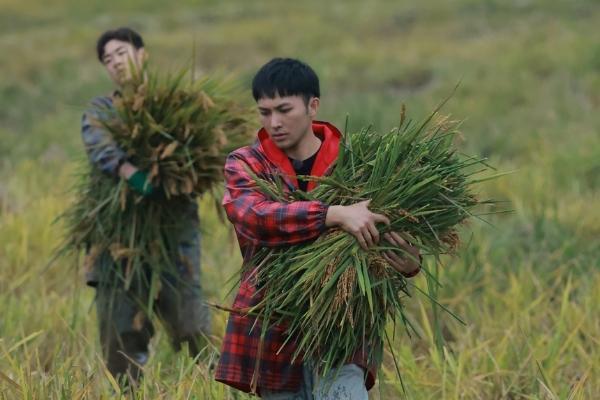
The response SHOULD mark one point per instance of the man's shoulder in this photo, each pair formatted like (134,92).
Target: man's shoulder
(101,102)
(247,153)
(251,156)
(98,106)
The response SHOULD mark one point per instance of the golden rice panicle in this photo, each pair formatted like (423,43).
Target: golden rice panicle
(344,288)
(378,266)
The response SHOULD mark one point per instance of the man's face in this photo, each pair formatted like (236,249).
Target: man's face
(118,56)
(287,120)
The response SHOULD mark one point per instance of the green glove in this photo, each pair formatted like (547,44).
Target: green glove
(139,182)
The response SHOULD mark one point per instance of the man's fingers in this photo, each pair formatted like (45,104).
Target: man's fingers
(360,238)
(361,241)
(387,258)
(381,218)
(396,262)
(394,239)
(374,233)
(367,236)
(399,240)
(391,240)
(364,203)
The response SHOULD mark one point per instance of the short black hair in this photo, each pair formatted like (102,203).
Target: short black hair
(124,34)
(285,77)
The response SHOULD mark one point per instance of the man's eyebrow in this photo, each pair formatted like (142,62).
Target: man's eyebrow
(282,105)
(278,106)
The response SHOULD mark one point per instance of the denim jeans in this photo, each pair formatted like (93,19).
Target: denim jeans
(345,383)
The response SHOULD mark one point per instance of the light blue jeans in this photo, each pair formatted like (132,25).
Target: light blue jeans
(346,383)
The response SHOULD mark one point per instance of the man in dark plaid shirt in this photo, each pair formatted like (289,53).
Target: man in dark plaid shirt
(290,143)
(125,326)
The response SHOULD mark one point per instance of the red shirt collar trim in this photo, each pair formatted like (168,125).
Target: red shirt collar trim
(328,152)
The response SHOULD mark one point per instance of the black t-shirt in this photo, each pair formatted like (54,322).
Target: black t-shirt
(304,168)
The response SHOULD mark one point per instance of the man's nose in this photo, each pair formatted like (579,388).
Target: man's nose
(120,61)
(275,121)
(117,64)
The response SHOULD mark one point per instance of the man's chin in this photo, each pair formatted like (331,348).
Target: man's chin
(283,145)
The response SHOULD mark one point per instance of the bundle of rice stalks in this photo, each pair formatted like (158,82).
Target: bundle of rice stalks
(178,131)
(336,298)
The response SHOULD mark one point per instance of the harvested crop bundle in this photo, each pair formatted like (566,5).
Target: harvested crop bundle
(336,298)
(179,132)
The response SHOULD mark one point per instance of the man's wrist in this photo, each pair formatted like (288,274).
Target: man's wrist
(411,273)
(332,218)
(415,271)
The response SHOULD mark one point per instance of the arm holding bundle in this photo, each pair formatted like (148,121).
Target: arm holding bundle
(271,223)
(265,222)
(104,153)
(360,222)
(357,220)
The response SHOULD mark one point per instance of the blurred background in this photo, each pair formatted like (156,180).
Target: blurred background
(527,285)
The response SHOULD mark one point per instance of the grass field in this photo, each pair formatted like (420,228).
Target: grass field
(528,285)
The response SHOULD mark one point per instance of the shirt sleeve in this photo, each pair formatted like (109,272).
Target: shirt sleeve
(265,222)
(100,146)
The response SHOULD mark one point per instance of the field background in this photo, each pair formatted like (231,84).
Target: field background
(528,286)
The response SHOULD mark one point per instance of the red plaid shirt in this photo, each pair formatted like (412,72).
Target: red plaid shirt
(260,222)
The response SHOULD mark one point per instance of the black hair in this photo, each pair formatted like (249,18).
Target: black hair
(123,34)
(285,77)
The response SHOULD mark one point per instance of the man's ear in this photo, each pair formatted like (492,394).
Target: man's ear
(313,106)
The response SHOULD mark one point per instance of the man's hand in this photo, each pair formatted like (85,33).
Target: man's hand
(407,264)
(137,180)
(126,170)
(357,220)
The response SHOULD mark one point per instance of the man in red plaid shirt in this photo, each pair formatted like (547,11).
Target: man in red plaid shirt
(290,143)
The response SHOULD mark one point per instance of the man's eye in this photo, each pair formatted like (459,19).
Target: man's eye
(285,110)
(263,113)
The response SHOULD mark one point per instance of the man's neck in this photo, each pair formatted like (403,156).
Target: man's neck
(306,148)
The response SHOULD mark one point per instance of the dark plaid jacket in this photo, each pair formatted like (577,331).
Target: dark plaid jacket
(260,222)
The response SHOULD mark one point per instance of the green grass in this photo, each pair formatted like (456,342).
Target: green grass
(528,286)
